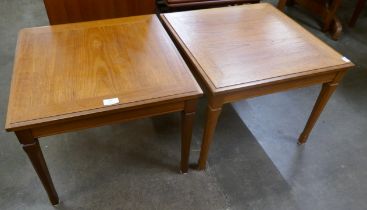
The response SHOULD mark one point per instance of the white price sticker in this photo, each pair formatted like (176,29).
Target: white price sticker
(345,59)
(111,101)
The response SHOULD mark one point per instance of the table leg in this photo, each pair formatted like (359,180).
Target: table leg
(326,92)
(32,148)
(213,113)
(188,116)
(330,15)
(336,28)
(281,4)
(357,11)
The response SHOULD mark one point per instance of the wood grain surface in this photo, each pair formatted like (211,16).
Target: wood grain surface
(68,70)
(243,46)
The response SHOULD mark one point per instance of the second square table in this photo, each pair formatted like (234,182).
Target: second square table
(251,50)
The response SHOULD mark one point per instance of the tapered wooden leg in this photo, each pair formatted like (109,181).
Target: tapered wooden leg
(336,29)
(357,11)
(327,23)
(211,122)
(32,148)
(188,116)
(326,91)
(331,15)
(281,4)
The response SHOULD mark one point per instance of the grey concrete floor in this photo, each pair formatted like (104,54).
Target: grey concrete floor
(254,162)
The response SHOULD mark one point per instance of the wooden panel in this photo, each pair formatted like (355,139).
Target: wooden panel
(106,119)
(277,87)
(67,70)
(69,11)
(235,47)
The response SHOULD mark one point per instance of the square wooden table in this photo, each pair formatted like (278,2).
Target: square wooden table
(84,75)
(251,50)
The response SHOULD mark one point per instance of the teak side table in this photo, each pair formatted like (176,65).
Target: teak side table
(251,50)
(84,75)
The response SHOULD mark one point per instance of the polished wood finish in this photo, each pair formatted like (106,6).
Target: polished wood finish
(251,50)
(62,75)
(70,11)
(237,55)
(357,12)
(68,70)
(326,9)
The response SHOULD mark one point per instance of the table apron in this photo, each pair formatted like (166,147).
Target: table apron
(278,87)
(97,121)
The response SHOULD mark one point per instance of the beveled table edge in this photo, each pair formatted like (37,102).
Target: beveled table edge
(64,118)
(14,126)
(218,90)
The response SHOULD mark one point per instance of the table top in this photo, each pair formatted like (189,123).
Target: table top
(69,70)
(246,46)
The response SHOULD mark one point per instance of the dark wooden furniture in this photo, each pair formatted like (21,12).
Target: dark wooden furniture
(325,9)
(204,3)
(357,12)
(251,50)
(69,11)
(77,76)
